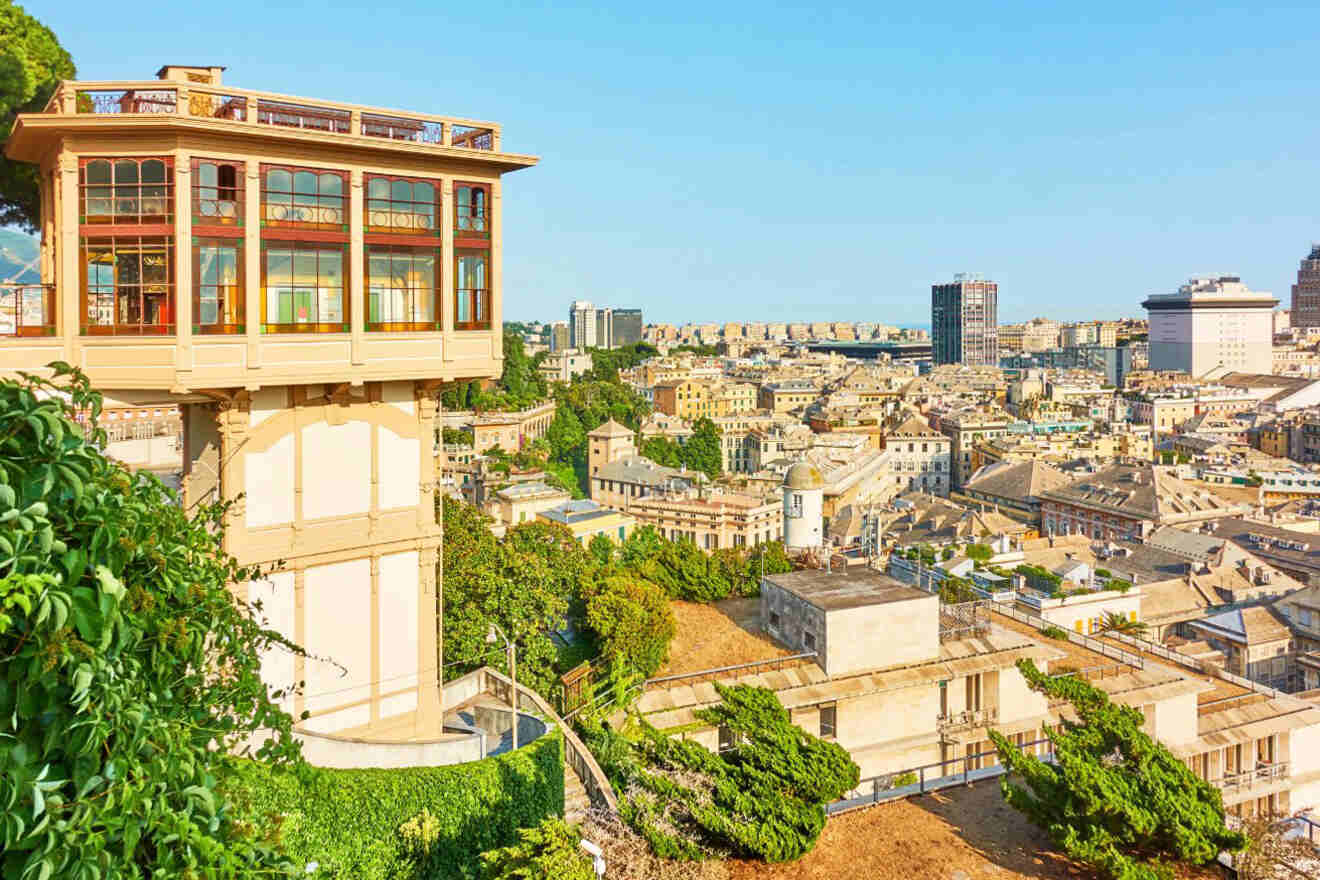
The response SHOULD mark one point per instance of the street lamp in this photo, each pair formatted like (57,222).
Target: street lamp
(493,635)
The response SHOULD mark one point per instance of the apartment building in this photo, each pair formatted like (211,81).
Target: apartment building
(521,502)
(587,519)
(922,698)
(1130,500)
(713,520)
(562,365)
(966,429)
(920,457)
(300,277)
(1305,311)
(694,399)
(1211,323)
(787,395)
(964,321)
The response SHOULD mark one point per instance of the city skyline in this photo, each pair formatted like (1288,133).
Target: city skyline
(1091,167)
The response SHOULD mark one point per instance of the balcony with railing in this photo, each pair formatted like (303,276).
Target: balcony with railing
(967,718)
(263,109)
(1263,775)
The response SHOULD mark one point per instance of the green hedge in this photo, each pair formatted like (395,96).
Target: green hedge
(347,821)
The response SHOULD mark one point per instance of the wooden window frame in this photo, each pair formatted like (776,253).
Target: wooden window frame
(390,207)
(344,325)
(120,192)
(435,324)
(119,292)
(472,226)
(318,218)
(224,209)
(475,296)
(236,313)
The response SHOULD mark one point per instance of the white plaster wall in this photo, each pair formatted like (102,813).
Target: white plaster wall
(337,625)
(1304,761)
(399,470)
(877,719)
(875,636)
(265,403)
(397,634)
(336,469)
(399,394)
(278,607)
(1176,719)
(1096,605)
(1016,699)
(268,484)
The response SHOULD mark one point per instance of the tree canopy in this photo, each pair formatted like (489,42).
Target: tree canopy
(129,673)
(32,62)
(1114,798)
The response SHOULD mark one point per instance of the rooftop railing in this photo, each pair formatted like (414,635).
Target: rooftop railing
(156,97)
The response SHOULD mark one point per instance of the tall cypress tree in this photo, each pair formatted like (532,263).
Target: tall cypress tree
(1113,798)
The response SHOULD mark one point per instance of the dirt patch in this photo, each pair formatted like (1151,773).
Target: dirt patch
(719,634)
(956,834)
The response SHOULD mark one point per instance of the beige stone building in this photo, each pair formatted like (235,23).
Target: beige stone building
(301,277)
(713,520)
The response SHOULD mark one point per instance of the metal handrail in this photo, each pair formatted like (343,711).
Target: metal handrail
(1247,779)
(723,671)
(967,718)
(576,755)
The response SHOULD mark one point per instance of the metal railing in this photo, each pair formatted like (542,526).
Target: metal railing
(576,755)
(1192,663)
(1113,652)
(1246,780)
(967,718)
(27,310)
(927,778)
(774,664)
(964,620)
(263,108)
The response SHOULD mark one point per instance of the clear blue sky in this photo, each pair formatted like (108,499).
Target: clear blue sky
(742,161)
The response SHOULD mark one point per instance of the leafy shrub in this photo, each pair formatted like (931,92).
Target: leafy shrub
(979,552)
(1103,573)
(1054,632)
(902,779)
(128,670)
(416,822)
(633,622)
(547,852)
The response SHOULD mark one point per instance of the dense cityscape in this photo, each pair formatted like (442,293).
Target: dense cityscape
(320,559)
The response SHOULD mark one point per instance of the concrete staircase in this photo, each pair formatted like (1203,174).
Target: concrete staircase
(576,801)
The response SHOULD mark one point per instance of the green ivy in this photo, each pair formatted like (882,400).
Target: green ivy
(549,851)
(129,673)
(351,823)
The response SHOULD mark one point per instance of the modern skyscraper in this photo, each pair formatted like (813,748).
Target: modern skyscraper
(582,324)
(626,327)
(560,338)
(964,321)
(1212,323)
(1306,292)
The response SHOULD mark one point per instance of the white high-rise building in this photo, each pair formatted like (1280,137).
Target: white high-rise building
(1212,324)
(582,325)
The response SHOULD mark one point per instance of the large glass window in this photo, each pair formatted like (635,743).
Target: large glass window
(472,290)
(218,286)
(303,289)
(304,198)
(217,193)
(401,205)
(471,210)
(401,285)
(124,191)
(128,286)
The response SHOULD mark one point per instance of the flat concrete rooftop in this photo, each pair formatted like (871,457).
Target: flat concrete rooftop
(835,591)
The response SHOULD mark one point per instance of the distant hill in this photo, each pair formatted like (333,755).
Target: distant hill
(18,256)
